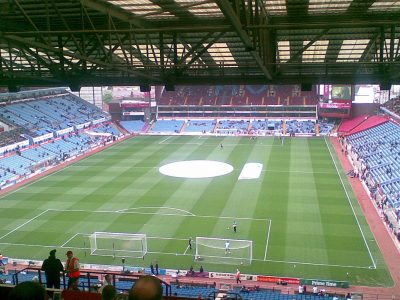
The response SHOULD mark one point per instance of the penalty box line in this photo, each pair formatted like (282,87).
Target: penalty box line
(63,245)
(177,254)
(123,211)
(23,224)
(267,241)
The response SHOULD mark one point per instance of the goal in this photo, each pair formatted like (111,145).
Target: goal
(223,250)
(118,244)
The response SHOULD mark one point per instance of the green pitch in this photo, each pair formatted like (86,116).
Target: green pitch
(300,214)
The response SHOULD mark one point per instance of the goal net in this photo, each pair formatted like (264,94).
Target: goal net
(222,250)
(118,244)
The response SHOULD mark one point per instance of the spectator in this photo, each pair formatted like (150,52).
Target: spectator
(191,271)
(237,276)
(109,292)
(301,289)
(72,269)
(152,268)
(52,268)
(28,290)
(146,288)
(315,290)
(106,282)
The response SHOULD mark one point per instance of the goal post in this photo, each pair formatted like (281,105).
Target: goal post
(224,250)
(118,244)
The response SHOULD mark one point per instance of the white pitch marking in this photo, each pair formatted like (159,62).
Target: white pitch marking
(266,244)
(69,240)
(23,224)
(164,140)
(187,248)
(311,264)
(156,207)
(351,205)
(161,214)
(297,172)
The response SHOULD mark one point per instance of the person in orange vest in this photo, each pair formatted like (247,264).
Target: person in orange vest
(237,276)
(72,270)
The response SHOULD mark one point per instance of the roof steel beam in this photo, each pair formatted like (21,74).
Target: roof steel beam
(113,11)
(309,44)
(230,14)
(20,41)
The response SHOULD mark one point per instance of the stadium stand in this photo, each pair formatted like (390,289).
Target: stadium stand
(393,105)
(302,127)
(12,136)
(258,125)
(375,153)
(106,129)
(238,95)
(240,126)
(168,126)
(38,154)
(232,126)
(133,126)
(16,164)
(40,117)
(200,126)
(325,128)
(47,130)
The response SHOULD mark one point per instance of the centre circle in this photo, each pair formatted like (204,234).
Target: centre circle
(196,169)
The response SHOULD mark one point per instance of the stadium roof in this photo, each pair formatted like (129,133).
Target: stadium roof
(120,42)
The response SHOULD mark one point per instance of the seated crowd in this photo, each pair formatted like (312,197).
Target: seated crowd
(42,131)
(376,155)
(237,126)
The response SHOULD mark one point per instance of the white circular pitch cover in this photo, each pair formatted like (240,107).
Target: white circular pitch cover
(196,169)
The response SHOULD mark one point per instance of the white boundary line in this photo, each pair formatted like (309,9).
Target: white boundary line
(160,214)
(217,145)
(69,239)
(297,172)
(23,224)
(187,248)
(175,254)
(267,242)
(351,205)
(313,264)
(164,140)
(155,207)
(165,238)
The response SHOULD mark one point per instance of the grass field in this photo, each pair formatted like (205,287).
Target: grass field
(300,214)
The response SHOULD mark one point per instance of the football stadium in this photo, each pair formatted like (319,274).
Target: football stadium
(220,149)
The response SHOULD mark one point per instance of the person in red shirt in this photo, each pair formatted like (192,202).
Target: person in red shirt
(72,270)
(237,276)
